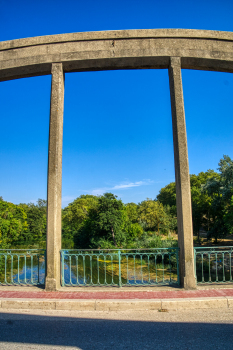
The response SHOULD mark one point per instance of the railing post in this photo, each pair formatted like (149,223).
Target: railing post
(12,268)
(38,268)
(195,263)
(119,259)
(183,194)
(178,267)
(52,281)
(62,269)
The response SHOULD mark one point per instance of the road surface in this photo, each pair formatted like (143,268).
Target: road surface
(133,330)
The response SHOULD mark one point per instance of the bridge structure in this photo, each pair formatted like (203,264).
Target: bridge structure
(172,49)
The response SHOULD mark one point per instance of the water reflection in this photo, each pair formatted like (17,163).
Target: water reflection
(28,275)
(111,269)
(28,268)
(22,268)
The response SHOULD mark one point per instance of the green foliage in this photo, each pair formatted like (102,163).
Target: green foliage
(13,223)
(105,222)
(201,201)
(148,241)
(220,189)
(111,224)
(170,220)
(134,230)
(74,218)
(211,195)
(22,225)
(155,216)
(36,220)
(167,196)
(228,216)
(132,212)
(130,228)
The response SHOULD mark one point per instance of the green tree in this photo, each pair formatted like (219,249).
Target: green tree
(74,217)
(201,201)
(220,189)
(131,227)
(13,224)
(167,196)
(132,212)
(228,216)
(226,178)
(36,220)
(153,214)
(105,222)
(110,215)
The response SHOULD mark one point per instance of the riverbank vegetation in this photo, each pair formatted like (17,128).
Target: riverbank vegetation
(106,222)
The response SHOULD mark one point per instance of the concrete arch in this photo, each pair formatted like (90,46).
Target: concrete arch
(170,49)
(124,49)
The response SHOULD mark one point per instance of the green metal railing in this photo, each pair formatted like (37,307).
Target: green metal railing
(22,266)
(213,264)
(120,267)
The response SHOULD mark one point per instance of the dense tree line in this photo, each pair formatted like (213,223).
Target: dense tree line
(88,222)
(106,222)
(212,200)
(22,224)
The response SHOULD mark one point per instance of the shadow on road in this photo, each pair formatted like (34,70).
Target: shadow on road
(55,332)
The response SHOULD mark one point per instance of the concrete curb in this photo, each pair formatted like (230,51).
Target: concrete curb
(118,305)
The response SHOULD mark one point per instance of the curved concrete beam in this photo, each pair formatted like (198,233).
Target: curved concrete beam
(124,49)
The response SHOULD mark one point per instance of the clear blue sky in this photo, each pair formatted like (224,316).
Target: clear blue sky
(117,124)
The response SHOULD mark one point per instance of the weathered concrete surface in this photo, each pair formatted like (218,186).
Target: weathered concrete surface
(118,304)
(126,49)
(89,305)
(183,194)
(121,305)
(52,281)
(230,302)
(195,303)
(28,304)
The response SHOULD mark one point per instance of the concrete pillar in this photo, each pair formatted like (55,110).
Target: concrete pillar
(183,194)
(52,281)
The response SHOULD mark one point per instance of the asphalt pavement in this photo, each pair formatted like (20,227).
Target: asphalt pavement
(56,329)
